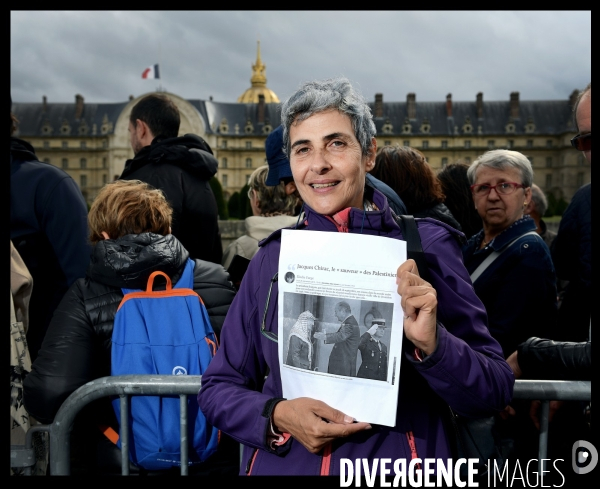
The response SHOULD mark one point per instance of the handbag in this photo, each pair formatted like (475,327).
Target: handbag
(474,438)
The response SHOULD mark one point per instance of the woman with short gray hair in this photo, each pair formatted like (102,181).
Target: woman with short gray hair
(509,262)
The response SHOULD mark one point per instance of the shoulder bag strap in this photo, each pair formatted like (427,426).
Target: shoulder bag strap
(492,256)
(414,249)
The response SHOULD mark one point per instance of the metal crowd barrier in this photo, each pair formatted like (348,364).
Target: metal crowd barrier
(184,385)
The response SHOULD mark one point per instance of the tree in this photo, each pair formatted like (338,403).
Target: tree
(245,207)
(233,205)
(215,185)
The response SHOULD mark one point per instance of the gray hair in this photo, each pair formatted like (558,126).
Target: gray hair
(580,95)
(345,306)
(336,93)
(271,200)
(502,159)
(539,199)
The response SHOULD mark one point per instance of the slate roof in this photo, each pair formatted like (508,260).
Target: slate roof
(32,117)
(550,117)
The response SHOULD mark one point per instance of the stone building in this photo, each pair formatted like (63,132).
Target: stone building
(91,142)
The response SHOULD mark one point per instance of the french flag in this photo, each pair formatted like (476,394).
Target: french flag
(151,72)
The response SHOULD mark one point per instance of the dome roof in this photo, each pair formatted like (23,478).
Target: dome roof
(259,84)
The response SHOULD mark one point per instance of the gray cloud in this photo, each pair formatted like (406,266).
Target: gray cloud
(101,55)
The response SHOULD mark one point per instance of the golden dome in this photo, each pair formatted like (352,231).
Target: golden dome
(259,84)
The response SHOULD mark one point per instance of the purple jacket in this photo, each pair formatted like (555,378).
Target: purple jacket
(467,369)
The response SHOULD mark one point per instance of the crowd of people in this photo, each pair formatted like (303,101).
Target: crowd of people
(505,297)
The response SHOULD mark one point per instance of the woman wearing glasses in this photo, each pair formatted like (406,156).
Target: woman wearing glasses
(448,354)
(509,263)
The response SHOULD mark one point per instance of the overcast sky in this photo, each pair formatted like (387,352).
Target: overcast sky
(101,55)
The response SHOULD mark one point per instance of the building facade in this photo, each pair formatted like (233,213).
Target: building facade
(91,141)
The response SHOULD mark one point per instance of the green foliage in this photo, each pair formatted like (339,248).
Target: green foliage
(233,205)
(556,207)
(245,207)
(218,191)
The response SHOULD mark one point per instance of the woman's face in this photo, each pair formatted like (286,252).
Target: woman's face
(500,211)
(327,163)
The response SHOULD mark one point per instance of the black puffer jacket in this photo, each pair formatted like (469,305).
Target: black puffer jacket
(77,346)
(182,167)
(572,256)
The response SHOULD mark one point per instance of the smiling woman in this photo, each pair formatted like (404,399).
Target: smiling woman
(329,135)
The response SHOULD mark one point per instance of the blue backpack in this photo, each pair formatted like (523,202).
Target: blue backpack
(167,333)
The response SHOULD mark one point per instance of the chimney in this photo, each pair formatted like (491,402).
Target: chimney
(261,108)
(449,105)
(44,103)
(573,97)
(411,106)
(379,105)
(131,97)
(78,106)
(514,105)
(479,104)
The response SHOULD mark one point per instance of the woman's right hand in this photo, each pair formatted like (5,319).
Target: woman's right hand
(314,423)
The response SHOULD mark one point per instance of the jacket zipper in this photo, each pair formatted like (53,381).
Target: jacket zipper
(413,448)
(250,463)
(326,460)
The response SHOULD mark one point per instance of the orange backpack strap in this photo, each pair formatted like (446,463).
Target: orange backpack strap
(153,276)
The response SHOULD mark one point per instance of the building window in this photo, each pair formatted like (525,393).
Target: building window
(425,144)
(65,144)
(530,158)
(387,143)
(406,143)
(548,181)
(548,143)
(580,160)
(65,163)
(247,179)
(104,163)
(224,144)
(83,181)
(444,162)
(530,143)
(83,144)
(491,144)
(105,144)
(579,179)
(248,162)
(511,143)
(467,144)
(224,180)
(46,144)
(46,160)
(248,144)
(468,160)
(223,162)
(549,162)
(104,179)
(83,163)
(444,144)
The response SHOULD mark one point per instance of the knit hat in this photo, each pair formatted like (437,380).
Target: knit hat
(279,165)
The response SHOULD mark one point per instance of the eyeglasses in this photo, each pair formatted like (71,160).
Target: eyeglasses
(582,142)
(504,188)
(268,334)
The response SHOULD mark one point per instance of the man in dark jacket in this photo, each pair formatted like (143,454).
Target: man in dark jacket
(342,360)
(181,167)
(48,227)
(572,248)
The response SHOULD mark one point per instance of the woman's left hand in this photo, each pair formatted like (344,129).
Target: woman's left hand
(419,302)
